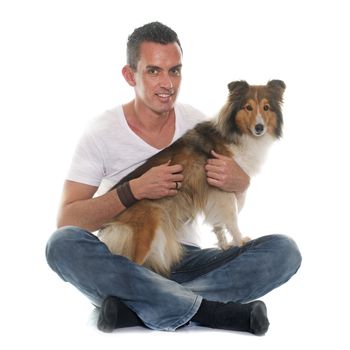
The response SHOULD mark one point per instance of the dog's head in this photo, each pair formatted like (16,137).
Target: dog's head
(253,109)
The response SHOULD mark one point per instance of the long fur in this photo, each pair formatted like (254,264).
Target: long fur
(245,128)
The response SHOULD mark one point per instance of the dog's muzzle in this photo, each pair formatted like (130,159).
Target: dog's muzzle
(259,129)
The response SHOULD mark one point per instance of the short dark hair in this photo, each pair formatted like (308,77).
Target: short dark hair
(152,32)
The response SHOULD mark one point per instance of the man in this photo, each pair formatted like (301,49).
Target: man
(211,287)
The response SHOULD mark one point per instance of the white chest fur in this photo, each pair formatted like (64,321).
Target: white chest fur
(250,152)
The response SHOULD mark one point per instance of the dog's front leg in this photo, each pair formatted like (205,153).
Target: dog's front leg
(233,229)
(232,226)
(221,212)
(240,197)
(221,237)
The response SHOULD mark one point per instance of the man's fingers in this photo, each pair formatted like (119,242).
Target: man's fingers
(176,168)
(213,168)
(216,162)
(213,182)
(217,155)
(215,176)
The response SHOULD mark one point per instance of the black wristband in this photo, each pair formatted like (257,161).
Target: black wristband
(125,195)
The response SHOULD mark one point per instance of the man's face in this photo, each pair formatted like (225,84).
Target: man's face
(158,76)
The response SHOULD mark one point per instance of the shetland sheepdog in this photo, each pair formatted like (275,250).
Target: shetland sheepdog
(249,122)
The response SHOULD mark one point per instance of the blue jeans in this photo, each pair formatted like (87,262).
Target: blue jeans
(237,274)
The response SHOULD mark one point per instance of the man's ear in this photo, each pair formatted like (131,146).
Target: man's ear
(129,75)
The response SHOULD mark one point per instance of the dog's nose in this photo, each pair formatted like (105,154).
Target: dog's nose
(259,128)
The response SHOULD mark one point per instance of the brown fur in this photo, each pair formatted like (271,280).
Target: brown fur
(146,232)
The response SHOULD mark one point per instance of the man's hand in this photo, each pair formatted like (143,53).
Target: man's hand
(223,172)
(160,181)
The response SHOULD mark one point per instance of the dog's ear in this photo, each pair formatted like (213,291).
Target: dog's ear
(277,87)
(238,88)
(277,84)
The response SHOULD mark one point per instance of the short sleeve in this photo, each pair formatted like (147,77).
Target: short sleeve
(87,164)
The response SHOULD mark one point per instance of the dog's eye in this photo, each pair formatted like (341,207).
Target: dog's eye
(266,108)
(248,108)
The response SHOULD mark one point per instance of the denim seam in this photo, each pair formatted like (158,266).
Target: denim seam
(242,250)
(218,261)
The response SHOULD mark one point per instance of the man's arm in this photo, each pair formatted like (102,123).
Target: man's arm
(79,208)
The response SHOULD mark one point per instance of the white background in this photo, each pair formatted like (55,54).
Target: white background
(60,66)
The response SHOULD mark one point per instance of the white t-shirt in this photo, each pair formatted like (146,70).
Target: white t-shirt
(109,150)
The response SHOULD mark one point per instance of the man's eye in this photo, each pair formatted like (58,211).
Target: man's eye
(176,71)
(152,71)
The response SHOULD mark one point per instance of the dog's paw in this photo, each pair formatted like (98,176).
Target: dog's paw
(240,243)
(244,240)
(225,245)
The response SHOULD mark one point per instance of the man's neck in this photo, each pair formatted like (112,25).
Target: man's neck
(155,128)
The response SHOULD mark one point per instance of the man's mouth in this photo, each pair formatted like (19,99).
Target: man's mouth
(165,95)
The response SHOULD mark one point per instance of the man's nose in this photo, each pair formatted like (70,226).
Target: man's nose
(167,81)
